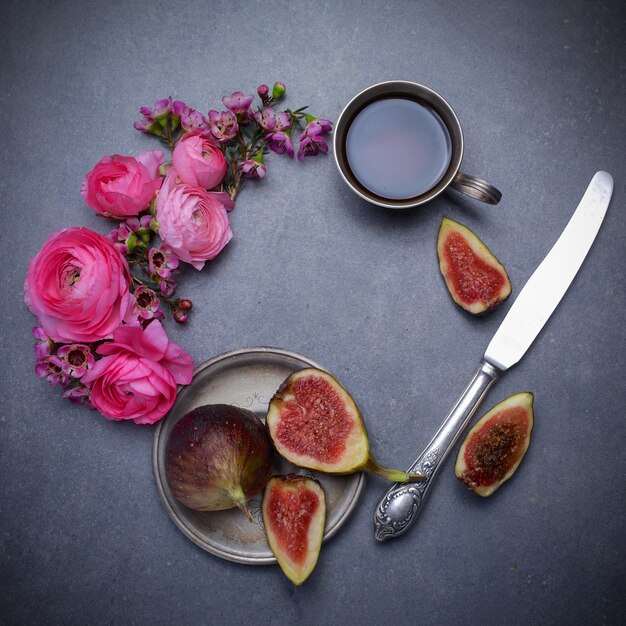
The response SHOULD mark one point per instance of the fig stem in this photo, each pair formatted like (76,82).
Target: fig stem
(393,475)
(239,499)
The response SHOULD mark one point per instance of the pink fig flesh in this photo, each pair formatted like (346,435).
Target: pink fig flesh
(496,445)
(294,514)
(314,423)
(476,280)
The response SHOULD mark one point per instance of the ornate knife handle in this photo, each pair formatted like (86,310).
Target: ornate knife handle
(402,504)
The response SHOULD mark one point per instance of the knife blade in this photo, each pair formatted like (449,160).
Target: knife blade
(402,504)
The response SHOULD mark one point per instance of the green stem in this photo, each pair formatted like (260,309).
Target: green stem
(393,475)
(238,497)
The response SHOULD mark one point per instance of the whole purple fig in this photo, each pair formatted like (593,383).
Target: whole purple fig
(217,457)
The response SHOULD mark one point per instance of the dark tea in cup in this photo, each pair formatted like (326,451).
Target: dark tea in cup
(399,144)
(398,148)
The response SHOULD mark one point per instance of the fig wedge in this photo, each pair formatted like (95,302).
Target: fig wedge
(476,280)
(217,457)
(314,423)
(496,445)
(294,514)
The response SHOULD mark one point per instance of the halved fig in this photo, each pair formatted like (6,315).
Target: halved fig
(314,423)
(294,513)
(476,280)
(496,445)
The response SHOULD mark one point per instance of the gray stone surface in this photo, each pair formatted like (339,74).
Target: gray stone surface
(539,88)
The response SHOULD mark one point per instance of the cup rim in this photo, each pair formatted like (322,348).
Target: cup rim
(455,162)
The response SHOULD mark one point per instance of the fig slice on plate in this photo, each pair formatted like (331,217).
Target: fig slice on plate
(294,513)
(314,423)
(217,457)
(496,445)
(476,280)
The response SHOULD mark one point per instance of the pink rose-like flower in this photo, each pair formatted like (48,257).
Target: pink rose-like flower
(136,377)
(198,161)
(77,286)
(122,186)
(191,221)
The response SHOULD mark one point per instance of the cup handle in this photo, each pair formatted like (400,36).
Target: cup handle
(476,188)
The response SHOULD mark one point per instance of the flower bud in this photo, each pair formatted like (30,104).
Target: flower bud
(185,304)
(131,243)
(180,316)
(263,90)
(278,91)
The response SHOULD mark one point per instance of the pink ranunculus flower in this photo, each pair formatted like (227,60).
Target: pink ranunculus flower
(198,160)
(78,286)
(123,186)
(136,377)
(192,221)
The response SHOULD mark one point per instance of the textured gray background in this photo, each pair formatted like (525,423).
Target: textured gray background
(539,88)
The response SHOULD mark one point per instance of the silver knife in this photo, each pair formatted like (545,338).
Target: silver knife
(403,503)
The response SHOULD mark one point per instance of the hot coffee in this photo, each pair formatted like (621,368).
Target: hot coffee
(398,148)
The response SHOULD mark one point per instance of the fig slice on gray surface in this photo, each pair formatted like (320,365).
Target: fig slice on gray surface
(476,280)
(294,513)
(314,423)
(496,445)
(217,457)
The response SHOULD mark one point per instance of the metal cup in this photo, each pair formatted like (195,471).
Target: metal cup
(469,185)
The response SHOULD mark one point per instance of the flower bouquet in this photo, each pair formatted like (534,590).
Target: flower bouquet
(100,301)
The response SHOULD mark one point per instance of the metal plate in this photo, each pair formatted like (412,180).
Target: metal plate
(247,378)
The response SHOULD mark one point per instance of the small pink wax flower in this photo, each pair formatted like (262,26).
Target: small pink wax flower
(198,161)
(311,140)
(76,359)
(50,367)
(165,113)
(238,103)
(271,120)
(43,343)
(162,261)
(122,186)
(137,376)
(193,121)
(78,286)
(280,142)
(145,305)
(167,287)
(223,125)
(78,395)
(252,169)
